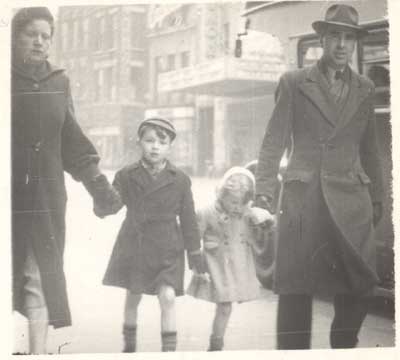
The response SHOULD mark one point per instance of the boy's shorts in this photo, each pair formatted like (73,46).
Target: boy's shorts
(33,291)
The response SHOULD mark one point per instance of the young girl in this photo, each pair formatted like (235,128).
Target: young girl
(227,227)
(160,223)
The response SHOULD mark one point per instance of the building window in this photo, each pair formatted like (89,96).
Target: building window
(163,99)
(111,31)
(185,59)
(138,25)
(99,33)
(64,36)
(225,38)
(85,33)
(161,64)
(175,98)
(76,40)
(171,62)
(109,85)
(70,39)
(137,82)
(99,85)
(83,83)
(188,98)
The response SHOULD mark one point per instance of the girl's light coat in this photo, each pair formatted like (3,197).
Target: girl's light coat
(227,243)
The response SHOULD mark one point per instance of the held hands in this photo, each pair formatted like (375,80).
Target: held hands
(197,261)
(264,202)
(260,215)
(106,199)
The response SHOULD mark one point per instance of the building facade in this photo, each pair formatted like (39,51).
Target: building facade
(103,49)
(214,99)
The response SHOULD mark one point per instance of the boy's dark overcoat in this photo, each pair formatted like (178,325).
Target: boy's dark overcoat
(46,141)
(160,224)
(326,234)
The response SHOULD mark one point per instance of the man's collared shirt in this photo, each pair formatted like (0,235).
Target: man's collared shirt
(337,82)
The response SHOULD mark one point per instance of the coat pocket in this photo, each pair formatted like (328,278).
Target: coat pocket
(364,179)
(297,175)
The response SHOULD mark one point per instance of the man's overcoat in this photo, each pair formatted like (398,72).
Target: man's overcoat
(326,234)
(160,224)
(46,141)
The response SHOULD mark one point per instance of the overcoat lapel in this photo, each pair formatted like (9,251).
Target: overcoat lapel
(313,88)
(138,176)
(163,179)
(357,94)
(146,183)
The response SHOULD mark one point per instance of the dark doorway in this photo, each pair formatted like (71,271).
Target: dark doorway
(205,140)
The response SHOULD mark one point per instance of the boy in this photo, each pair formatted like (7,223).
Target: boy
(148,257)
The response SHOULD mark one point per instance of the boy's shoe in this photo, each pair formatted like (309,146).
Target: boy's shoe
(216,343)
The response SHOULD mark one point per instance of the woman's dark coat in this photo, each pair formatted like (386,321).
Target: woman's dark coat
(46,141)
(160,224)
(326,233)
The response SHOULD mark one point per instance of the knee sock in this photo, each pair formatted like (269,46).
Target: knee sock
(168,340)
(216,343)
(129,333)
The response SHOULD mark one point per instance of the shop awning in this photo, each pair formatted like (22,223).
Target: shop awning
(225,76)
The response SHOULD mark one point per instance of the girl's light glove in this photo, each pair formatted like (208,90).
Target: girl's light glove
(260,216)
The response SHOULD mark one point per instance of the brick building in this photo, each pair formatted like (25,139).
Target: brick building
(103,49)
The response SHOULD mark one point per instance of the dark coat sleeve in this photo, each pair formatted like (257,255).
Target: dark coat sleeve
(79,156)
(187,218)
(276,140)
(370,154)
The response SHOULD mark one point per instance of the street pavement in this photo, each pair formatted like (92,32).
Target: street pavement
(97,309)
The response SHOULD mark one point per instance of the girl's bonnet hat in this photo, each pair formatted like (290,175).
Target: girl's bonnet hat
(226,183)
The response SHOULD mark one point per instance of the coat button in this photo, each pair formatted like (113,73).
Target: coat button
(36,147)
(36,86)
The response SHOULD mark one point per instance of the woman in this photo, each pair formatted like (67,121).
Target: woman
(46,141)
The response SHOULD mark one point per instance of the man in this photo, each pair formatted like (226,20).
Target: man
(46,141)
(332,189)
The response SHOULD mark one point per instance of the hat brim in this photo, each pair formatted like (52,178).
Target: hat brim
(320,26)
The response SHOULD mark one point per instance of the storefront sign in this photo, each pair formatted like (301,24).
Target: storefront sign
(219,70)
(170,113)
(258,45)
(157,13)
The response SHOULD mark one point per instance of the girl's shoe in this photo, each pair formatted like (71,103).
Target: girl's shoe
(168,341)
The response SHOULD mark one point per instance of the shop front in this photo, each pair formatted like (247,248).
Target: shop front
(234,98)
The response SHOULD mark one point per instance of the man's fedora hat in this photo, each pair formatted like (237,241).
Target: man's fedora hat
(340,15)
